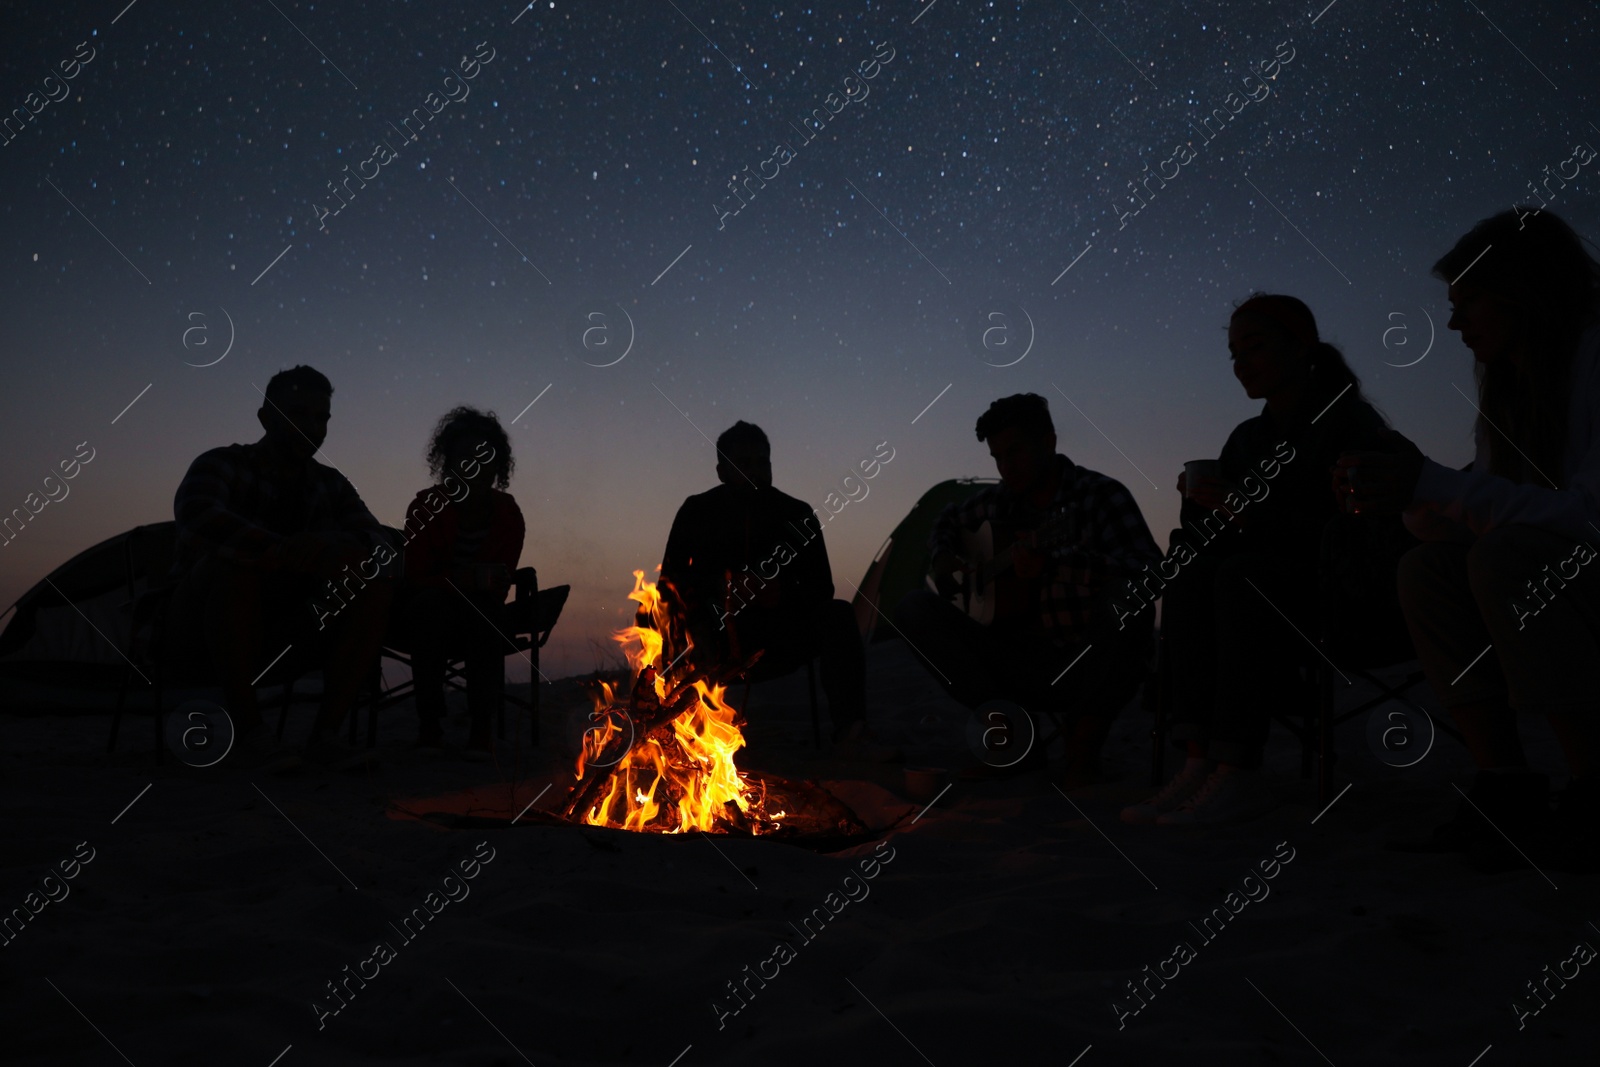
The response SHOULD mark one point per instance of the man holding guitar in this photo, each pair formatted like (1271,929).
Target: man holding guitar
(1040,556)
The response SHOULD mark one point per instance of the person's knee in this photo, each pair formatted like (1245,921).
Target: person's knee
(1507,556)
(1424,570)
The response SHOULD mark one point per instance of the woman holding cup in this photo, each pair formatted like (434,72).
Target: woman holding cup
(1502,606)
(464,538)
(1246,557)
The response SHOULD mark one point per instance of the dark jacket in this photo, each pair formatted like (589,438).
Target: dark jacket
(745,538)
(432,522)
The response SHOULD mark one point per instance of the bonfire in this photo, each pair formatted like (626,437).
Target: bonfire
(660,758)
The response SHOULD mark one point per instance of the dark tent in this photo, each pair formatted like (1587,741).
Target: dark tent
(73,628)
(902,563)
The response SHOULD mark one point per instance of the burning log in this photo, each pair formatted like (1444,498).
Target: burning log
(652,718)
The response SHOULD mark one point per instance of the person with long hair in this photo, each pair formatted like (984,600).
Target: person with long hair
(1502,604)
(465,537)
(1246,558)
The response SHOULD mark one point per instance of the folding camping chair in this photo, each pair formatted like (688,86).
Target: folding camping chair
(756,674)
(149,552)
(525,622)
(1360,631)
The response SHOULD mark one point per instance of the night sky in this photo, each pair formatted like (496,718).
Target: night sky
(982,168)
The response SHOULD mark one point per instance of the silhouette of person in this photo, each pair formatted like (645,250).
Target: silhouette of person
(465,536)
(1031,654)
(1246,558)
(748,566)
(260,527)
(1502,604)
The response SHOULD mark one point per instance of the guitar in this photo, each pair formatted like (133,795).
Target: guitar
(989,588)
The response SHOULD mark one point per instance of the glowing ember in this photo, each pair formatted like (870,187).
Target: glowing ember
(677,773)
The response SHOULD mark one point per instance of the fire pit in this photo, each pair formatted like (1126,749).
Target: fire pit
(660,758)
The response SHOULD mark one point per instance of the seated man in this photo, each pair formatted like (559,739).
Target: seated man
(1054,641)
(748,566)
(260,527)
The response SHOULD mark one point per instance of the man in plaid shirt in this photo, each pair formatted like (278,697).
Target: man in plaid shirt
(261,529)
(1064,650)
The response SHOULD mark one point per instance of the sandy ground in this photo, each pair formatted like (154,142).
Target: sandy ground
(1000,926)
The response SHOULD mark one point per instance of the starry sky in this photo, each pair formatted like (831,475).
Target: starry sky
(553,236)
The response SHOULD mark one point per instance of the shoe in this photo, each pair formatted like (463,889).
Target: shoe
(259,750)
(1515,802)
(859,744)
(1183,785)
(324,751)
(1224,797)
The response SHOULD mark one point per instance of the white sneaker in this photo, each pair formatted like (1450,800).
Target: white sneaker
(1226,797)
(1181,788)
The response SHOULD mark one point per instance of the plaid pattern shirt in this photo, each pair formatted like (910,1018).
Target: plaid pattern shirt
(1103,536)
(229,505)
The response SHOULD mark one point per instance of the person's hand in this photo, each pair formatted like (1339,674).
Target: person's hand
(1382,481)
(310,553)
(943,567)
(1210,493)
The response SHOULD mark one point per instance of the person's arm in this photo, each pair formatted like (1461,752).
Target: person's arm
(1479,501)
(1117,543)
(202,509)
(962,516)
(813,576)
(349,517)
(677,559)
(512,533)
(428,544)
(1426,524)
(944,539)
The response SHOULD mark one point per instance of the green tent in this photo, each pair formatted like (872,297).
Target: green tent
(901,565)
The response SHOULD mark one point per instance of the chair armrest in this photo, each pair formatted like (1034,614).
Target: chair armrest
(526,581)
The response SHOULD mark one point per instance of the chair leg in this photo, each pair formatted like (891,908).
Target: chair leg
(1158,729)
(816,717)
(1325,700)
(372,708)
(533,686)
(159,713)
(500,714)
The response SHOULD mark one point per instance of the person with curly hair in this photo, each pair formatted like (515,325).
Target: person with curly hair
(464,536)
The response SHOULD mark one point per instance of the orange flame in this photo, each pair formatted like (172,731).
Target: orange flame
(687,781)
